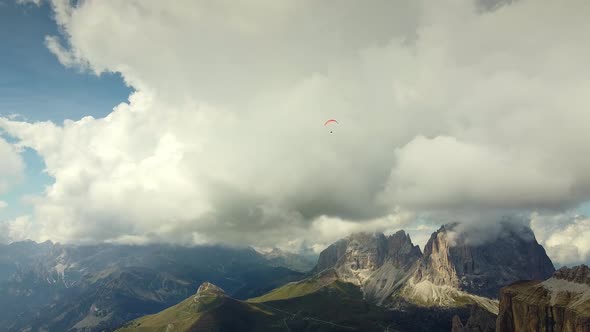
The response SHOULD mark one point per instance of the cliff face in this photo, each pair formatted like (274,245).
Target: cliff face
(363,252)
(482,269)
(377,263)
(402,259)
(454,270)
(438,265)
(559,304)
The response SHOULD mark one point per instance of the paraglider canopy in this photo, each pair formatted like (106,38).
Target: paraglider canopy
(330,121)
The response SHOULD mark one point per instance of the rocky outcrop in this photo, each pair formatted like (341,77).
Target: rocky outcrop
(330,256)
(401,251)
(455,270)
(377,263)
(452,259)
(460,267)
(360,252)
(579,274)
(559,304)
(363,252)
(208,289)
(54,287)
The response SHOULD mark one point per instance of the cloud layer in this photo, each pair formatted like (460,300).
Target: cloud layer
(443,106)
(11,167)
(564,236)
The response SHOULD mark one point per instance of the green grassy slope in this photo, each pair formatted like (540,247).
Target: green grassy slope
(296,289)
(319,304)
(313,305)
(208,312)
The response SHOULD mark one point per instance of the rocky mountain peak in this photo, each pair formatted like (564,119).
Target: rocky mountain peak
(208,289)
(460,263)
(401,250)
(365,251)
(478,263)
(578,274)
(369,251)
(356,251)
(437,266)
(378,263)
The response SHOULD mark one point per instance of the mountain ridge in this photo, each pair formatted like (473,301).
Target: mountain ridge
(55,287)
(376,280)
(449,259)
(387,282)
(450,269)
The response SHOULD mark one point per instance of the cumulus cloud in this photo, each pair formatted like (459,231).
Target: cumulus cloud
(442,105)
(445,172)
(18,229)
(564,236)
(64,56)
(3,205)
(11,166)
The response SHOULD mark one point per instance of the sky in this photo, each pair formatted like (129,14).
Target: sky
(35,86)
(202,122)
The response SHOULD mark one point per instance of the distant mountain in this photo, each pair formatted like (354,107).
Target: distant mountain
(378,264)
(373,282)
(210,309)
(364,282)
(296,262)
(53,287)
(451,278)
(450,273)
(559,304)
(336,306)
(484,268)
(381,267)
(453,271)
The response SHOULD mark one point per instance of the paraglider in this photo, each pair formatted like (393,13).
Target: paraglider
(330,121)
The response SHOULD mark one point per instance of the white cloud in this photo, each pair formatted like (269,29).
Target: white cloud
(440,106)
(564,236)
(24,2)
(20,228)
(444,172)
(16,116)
(64,56)
(11,166)
(3,205)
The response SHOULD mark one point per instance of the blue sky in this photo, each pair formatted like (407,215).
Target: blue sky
(36,86)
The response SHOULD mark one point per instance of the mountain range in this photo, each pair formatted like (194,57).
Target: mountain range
(296,262)
(373,282)
(53,287)
(364,282)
